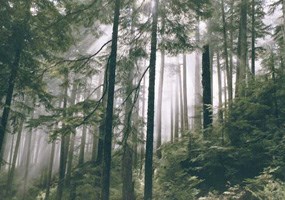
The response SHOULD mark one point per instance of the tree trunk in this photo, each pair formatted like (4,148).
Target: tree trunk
(171,121)
(101,125)
(220,112)
(28,156)
(51,159)
(159,104)
(176,117)
(283,15)
(186,122)
(230,85)
(82,146)
(107,149)
(143,123)
(150,109)
(72,140)
(181,111)
(9,96)
(127,158)
(127,173)
(275,102)
(11,152)
(253,38)
(64,146)
(225,39)
(198,96)
(242,49)
(207,94)
(15,156)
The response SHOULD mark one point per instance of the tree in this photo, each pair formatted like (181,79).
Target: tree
(225,41)
(207,91)
(186,123)
(64,141)
(107,148)
(242,48)
(150,109)
(198,100)
(253,38)
(159,104)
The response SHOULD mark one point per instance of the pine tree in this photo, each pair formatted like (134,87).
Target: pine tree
(107,148)
(150,109)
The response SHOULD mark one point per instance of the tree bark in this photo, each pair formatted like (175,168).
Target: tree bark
(107,149)
(82,146)
(150,109)
(51,159)
(242,49)
(186,122)
(28,156)
(176,112)
(198,96)
(283,15)
(253,38)
(15,156)
(72,140)
(64,146)
(171,122)
(9,96)
(225,39)
(207,94)
(159,104)
(181,105)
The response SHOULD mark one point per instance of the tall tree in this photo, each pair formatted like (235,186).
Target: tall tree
(18,37)
(207,91)
(159,103)
(198,96)
(64,141)
(186,122)
(242,48)
(253,38)
(225,42)
(150,109)
(107,148)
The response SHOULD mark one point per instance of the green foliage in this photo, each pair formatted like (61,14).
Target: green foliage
(265,186)
(173,180)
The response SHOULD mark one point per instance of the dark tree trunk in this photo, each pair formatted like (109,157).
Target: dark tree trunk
(9,96)
(150,109)
(207,94)
(127,174)
(107,149)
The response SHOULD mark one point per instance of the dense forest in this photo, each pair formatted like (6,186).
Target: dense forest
(145,99)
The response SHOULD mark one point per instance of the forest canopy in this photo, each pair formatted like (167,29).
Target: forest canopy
(145,99)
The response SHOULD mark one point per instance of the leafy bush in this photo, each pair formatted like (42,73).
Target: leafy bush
(172,181)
